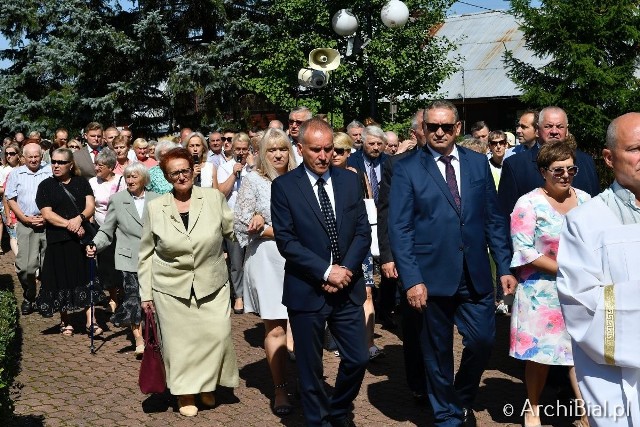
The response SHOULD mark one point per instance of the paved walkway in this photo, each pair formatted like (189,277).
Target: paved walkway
(62,384)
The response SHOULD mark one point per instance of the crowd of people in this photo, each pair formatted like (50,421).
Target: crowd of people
(292,224)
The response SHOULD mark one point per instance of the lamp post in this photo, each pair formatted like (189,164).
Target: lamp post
(394,14)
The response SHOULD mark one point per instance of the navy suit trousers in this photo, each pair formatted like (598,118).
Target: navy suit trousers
(474,316)
(346,322)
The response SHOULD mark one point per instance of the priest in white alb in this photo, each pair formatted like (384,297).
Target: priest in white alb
(599,284)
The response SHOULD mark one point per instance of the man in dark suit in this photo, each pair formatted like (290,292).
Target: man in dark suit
(520,173)
(371,158)
(443,214)
(84,158)
(321,229)
(413,363)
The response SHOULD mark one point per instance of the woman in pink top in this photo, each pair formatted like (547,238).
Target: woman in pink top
(121,148)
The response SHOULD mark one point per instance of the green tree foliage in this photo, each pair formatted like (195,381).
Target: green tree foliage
(203,63)
(593,50)
(404,61)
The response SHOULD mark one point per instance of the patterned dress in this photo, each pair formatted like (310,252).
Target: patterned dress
(538,332)
(263,277)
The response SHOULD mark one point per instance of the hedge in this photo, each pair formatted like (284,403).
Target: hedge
(9,351)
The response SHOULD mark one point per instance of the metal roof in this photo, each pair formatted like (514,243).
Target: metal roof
(482,39)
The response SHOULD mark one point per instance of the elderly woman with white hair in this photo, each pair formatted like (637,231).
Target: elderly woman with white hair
(124,225)
(104,185)
(204,173)
(158,183)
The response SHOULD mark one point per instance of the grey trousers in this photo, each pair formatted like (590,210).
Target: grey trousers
(235,262)
(31,247)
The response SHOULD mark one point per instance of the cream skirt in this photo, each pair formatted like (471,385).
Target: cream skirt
(196,339)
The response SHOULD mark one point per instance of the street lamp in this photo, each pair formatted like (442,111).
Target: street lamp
(394,14)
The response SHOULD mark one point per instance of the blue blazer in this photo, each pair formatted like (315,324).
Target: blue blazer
(303,240)
(431,240)
(356,160)
(520,175)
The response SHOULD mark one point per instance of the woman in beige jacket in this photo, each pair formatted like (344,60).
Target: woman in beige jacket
(184,280)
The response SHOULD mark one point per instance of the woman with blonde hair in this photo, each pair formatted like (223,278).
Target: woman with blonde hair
(264,266)
(204,173)
(342,145)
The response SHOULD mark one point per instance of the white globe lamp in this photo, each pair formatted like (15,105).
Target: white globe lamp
(394,14)
(344,22)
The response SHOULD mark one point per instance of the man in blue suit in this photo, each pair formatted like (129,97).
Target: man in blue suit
(443,214)
(520,172)
(321,229)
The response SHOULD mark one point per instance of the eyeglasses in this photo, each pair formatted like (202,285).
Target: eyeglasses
(502,142)
(340,151)
(559,171)
(446,127)
(10,153)
(295,122)
(73,147)
(60,162)
(184,172)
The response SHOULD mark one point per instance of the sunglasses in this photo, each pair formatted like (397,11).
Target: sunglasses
(73,147)
(502,142)
(226,138)
(296,122)
(446,127)
(10,153)
(60,162)
(559,171)
(340,151)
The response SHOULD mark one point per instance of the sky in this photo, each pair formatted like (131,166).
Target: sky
(460,7)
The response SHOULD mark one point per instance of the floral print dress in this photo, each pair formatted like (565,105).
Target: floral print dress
(538,332)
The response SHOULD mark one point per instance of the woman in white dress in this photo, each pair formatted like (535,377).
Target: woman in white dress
(204,173)
(264,266)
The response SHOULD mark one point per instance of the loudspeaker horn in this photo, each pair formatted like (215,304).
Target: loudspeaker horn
(312,78)
(324,59)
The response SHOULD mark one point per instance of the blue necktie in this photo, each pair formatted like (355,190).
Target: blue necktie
(373,180)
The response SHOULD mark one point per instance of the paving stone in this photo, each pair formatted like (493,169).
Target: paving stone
(62,384)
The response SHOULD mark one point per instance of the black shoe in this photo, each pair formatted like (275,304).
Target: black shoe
(388,323)
(27,307)
(469,419)
(344,422)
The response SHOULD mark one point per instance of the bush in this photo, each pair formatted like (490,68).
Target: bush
(9,350)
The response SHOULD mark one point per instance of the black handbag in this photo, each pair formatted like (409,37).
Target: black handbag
(90,228)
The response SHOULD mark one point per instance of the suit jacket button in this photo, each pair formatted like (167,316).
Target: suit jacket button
(461,248)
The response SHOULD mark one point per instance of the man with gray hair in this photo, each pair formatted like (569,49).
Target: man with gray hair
(391,147)
(22,185)
(297,116)
(354,130)
(215,154)
(520,174)
(598,280)
(276,124)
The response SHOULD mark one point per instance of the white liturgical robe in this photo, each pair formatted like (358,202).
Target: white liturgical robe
(599,290)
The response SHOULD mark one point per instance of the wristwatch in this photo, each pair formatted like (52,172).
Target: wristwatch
(84,218)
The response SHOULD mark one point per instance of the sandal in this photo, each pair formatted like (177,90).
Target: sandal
(66,330)
(281,410)
(97,330)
